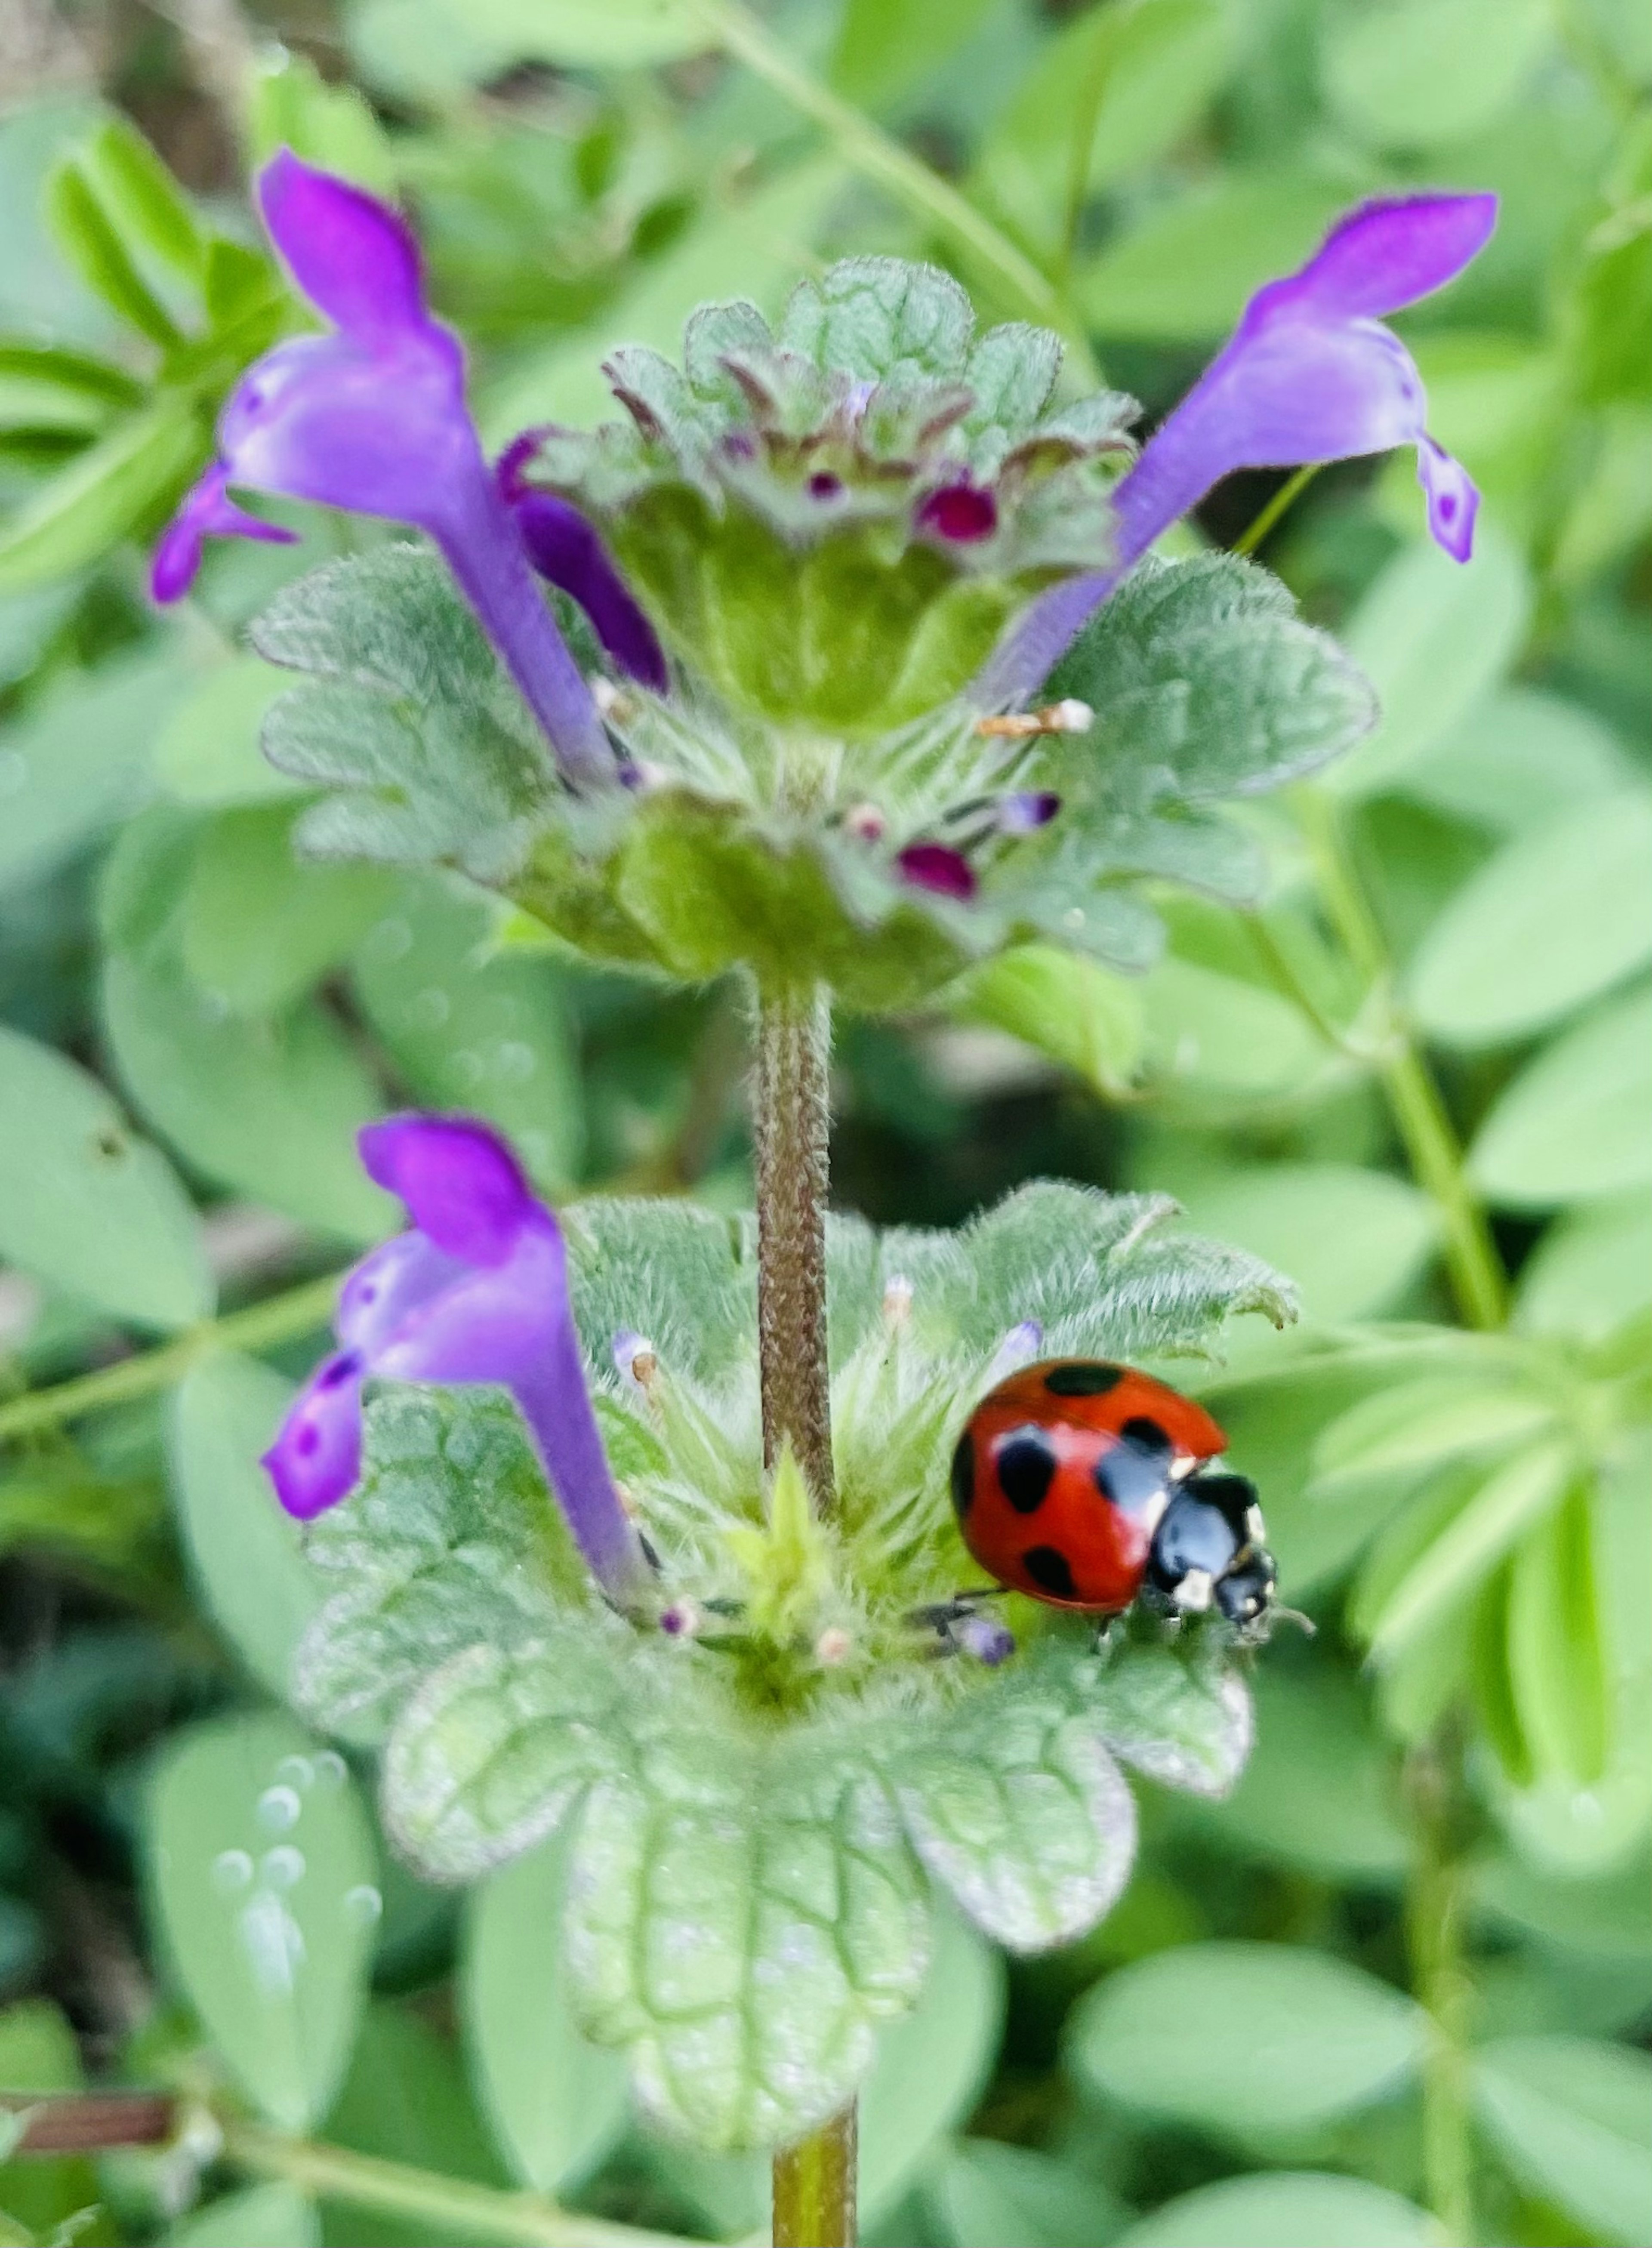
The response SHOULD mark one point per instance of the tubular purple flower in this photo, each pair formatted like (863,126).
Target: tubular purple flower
(567,552)
(476,1291)
(371,418)
(1310,374)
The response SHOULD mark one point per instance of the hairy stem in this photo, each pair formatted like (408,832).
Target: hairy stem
(1478,1281)
(791,1117)
(277,1319)
(1434,1914)
(814,2188)
(814,2180)
(874,153)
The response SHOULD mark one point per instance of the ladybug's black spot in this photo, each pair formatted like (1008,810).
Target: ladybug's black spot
(964,1475)
(1146,1436)
(1083,1377)
(1050,1571)
(1025,1467)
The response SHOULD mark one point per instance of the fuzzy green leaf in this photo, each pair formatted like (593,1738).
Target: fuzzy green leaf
(679,1276)
(879,317)
(408,711)
(449,1539)
(1019,1809)
(743,1928)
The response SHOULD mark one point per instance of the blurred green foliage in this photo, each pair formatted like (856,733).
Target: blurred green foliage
(1269,2039)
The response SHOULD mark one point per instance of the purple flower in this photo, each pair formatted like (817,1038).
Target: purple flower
(477,1291)
(1311,374)
(565,550)
(208,513)
(371,418)
(937,866)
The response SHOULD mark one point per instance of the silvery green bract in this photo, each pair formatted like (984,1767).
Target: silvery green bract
(769,1769)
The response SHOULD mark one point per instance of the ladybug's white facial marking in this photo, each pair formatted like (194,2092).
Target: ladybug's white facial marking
(1255,1529)
(1192,1595)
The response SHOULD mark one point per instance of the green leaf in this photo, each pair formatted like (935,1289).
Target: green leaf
(1351,1240)
(1018,1809)
(1319,1789)
(208,751)
(1569,2118)
(1521,759)
(1571,1124)
(74,763)
(269,1110)
(45,387)
(289,105)
(1425,73)
(1184,273)
(1242,2037)
(470,1027)
(986,2193)
(449,1539)
(1286,2208)
(681,1275)
(1129,81)
(572,34)
(1201,673)
(405,2099)
(143,200)
(497,1745)
(257,927)
(557,2103)
(276,2216)
(97,247)
(87,1204)
(105,493)
(1433,637)
(1553,921)
(1482,1529)
(1591,1271)
(932,2066)
(743,1932)
(884,47)
(408,710)
(1557,1661)
(1219,1041)
(1409,1429)
(1186,1722)
(1072,1009)
(262,1874)
(247,1554)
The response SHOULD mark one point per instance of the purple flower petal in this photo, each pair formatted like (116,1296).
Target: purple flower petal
(462,1186)
(373,418)
(208,513)
(1309,375)
(937,866)
(1025,810)
(565,549)
(315,1457)
(477,1292)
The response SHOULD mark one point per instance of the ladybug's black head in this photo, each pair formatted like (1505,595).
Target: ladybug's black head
(1208,1550)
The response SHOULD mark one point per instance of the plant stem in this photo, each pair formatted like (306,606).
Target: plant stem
(790,1121)
(277,1319)
(814,2180)
(1288,493)
(1424,1125)
(875,153)
(454,2207)
(814,2187)
(1433,1914)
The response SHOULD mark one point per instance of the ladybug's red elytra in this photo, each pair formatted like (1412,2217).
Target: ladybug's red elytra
(1078,1483)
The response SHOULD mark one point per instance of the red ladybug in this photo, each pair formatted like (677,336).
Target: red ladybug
(1078,1483)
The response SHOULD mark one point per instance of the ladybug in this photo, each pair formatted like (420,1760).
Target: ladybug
(1080,1483)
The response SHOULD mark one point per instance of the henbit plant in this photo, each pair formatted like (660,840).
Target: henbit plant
(865,541)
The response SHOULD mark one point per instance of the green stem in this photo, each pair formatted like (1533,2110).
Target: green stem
(1287,495)
(814,2188)
(1434,1916)
(1478,1280)
(879,157)
(279,1319)
(453,2207)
